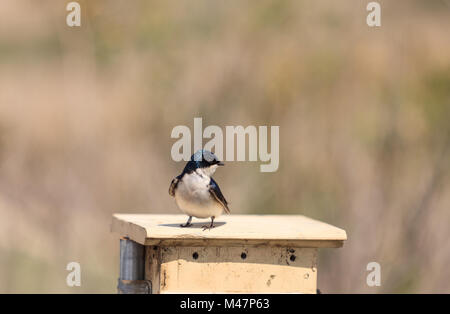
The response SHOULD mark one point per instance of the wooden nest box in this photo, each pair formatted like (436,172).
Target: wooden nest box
(242,254)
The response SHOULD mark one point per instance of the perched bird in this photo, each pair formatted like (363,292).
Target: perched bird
(196,193)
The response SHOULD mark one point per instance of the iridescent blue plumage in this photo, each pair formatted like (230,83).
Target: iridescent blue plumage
(215,191)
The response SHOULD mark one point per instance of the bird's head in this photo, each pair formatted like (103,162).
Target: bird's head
(204,161)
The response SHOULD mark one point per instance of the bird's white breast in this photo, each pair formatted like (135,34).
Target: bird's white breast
(193,197)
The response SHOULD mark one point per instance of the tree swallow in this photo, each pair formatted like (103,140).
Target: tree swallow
(196,193)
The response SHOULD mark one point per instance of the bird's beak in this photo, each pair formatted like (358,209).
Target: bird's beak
(221,164)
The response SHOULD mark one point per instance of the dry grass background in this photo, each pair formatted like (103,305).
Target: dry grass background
(86,116)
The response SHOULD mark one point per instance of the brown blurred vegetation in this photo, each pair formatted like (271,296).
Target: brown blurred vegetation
(86,115)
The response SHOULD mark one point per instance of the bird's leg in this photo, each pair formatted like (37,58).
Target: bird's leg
(188,223)
(211,225)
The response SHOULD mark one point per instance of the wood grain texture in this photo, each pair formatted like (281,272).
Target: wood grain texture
(232,230)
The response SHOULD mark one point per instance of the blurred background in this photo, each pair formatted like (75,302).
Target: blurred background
(86,116)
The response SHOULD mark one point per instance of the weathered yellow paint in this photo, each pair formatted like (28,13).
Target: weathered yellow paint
(228,270)
(257,230)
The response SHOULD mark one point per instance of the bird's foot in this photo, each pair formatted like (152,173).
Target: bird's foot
(188,223)
(208,227)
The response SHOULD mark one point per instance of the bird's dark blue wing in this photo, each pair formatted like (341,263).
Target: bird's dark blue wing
(173,185)
(217,194)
